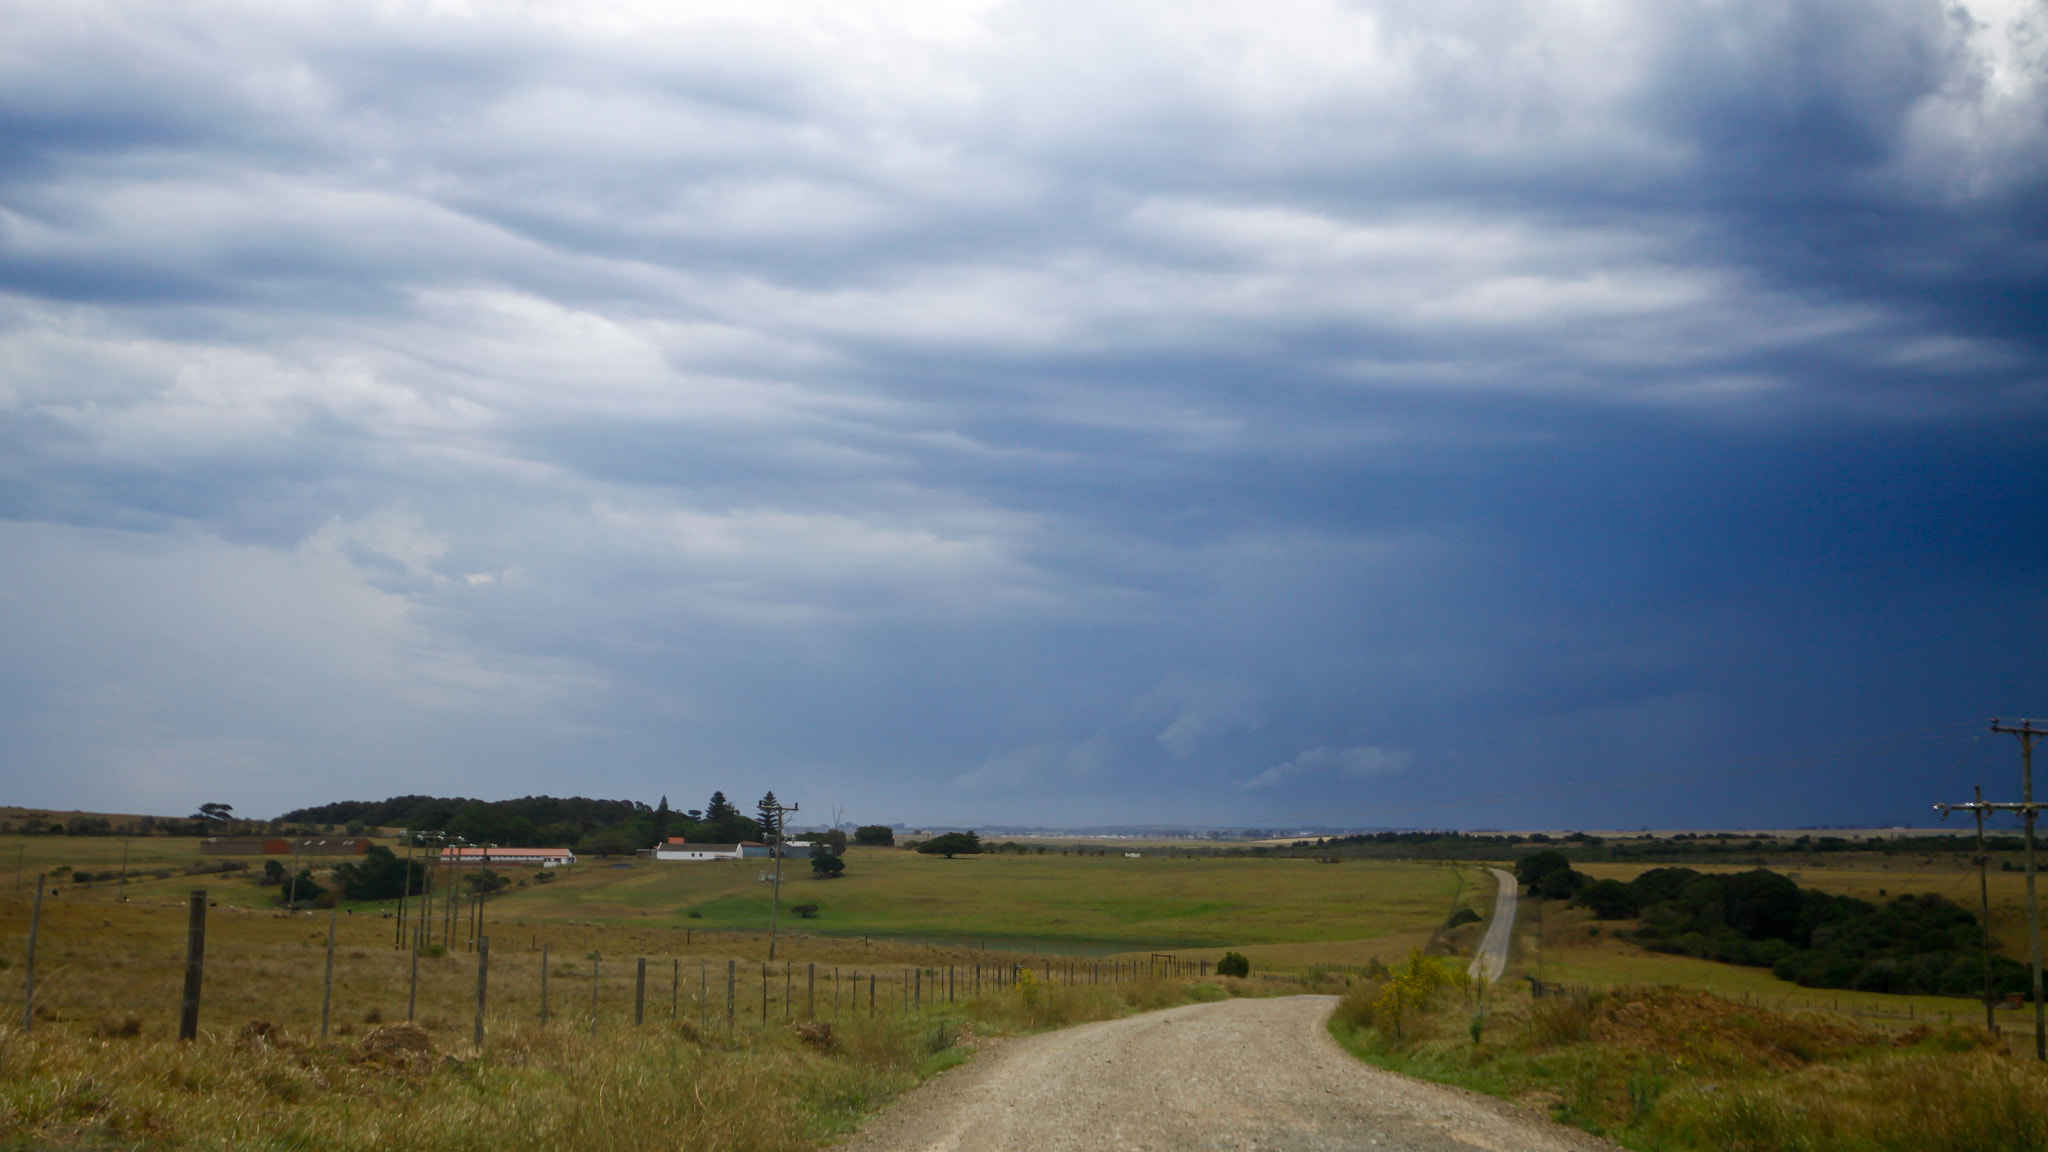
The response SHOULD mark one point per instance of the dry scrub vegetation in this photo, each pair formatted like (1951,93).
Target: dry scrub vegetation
(398,1088)
(1664,1069)
(99,1070)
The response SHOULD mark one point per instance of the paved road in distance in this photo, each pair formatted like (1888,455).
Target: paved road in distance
(1492,959)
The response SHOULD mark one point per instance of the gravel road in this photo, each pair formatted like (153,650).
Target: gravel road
(1492,959)
(1240,1074)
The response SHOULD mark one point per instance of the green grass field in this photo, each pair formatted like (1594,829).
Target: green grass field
(1094,905)
(1074,904)
(893,910)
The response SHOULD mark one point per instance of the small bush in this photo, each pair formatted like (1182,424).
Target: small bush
(1558,1020)
(1233,964)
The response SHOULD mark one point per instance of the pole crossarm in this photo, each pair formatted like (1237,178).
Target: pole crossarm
(1990,806)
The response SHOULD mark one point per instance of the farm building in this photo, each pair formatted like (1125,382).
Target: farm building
(545,857)
(675,848)
(283,846)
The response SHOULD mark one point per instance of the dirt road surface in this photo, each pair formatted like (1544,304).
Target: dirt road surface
(1240,1074)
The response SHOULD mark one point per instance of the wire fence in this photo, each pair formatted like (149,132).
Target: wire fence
(516,975)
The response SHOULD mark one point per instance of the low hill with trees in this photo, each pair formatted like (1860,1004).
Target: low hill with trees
(1925,944)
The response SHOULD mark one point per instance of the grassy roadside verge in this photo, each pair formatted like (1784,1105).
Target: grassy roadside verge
(1663,1069)
(399,1089)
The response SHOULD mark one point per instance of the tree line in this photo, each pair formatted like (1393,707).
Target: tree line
(1924,944)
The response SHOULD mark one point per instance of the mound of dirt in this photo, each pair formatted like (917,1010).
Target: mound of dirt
(396,1044)
(263,1032)
(1680,1021)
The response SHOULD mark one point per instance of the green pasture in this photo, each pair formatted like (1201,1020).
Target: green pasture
(1051,902)
(1062,903)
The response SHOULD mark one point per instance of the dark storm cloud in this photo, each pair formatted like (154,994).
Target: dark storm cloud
(1035,412)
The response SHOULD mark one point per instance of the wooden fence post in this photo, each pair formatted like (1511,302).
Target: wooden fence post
(327,981)
(595,959)
(195,965)
(543,985)
(35,925)
(483,981)
(640,993)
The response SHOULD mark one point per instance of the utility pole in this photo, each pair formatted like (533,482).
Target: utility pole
(2030,812)
(781,814)
(405,888)
(1984,903)
(2027,733)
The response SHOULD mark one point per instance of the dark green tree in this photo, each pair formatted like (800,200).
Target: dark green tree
(766,816)
(1610,900)
(825,864)
(380,875)
(1233,964)
(661,821)
(302,890)
(874,835)
(1532,869)
(614,841)
(952,844)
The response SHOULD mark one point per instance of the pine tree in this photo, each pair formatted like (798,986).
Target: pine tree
(719,810)
(661,816)
(771,820)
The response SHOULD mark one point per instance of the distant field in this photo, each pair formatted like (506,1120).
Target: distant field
(1340,913)
(101,957)
(897,904)
(1079,904)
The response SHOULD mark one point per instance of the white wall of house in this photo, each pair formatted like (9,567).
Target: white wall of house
(696,854)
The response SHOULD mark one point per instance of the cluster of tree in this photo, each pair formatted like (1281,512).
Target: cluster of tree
(1923,944)
(527,822)
(951,844)
(48,825)
(596,827)
(380,874)
(827,864)
(874,835)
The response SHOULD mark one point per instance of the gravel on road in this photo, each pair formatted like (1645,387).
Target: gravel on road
(1239,1074)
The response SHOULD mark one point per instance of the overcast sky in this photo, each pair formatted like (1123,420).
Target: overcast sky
(1562,414)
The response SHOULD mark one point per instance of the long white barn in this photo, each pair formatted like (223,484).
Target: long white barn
(545,857)
(682,850)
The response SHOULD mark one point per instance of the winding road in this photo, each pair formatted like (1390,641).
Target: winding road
(1237,1075)
(1492,958)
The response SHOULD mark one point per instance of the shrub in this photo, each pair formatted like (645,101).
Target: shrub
(1233,964)
(951,844)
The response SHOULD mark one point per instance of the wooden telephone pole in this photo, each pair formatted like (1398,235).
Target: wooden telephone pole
(780,812)
(2030,812)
